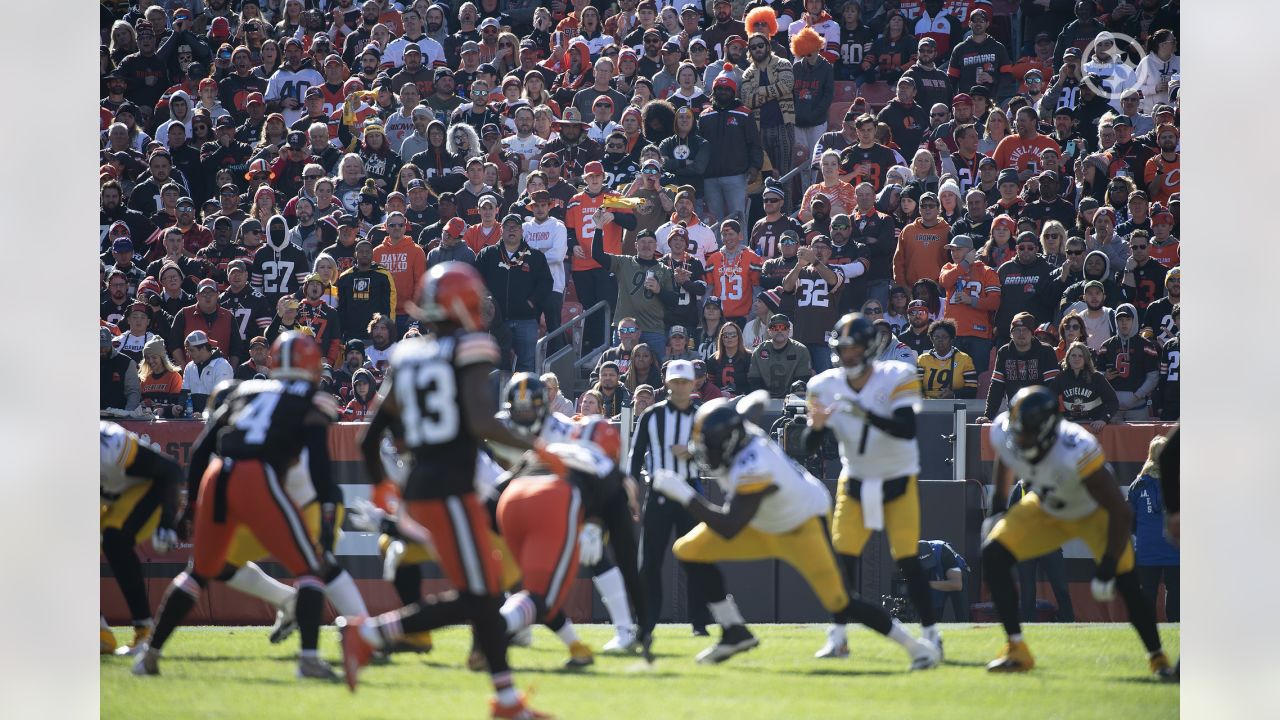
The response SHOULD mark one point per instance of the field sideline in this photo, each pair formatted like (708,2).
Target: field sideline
(1083,671)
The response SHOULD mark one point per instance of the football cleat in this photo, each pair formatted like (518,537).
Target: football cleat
(106,642)
(580,656)
(356,651)
(286,623)
(141,634)
(519,711)
(1015,657)
(700,631)
(315,668)
(419,642)
(837,645)
(1161,668)
(735,639)
(623,641)
(926,656)
(147,661)
(522,638)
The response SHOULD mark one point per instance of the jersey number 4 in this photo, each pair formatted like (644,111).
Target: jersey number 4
(255,419)
(430,405)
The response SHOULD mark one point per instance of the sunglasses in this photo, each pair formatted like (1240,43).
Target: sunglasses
(734,334)
(479,93)
(779,327)
(649,171)
(628,331)
(873,310)
(937,114)
(756,46)
(1029,248)
(505,45)
(773,200)
(789,241)
(550,163)
(312,177)
(1075,252)
(615,147)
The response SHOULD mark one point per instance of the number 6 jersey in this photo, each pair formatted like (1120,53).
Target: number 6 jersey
(424,382)
(1059,477)
(867,452)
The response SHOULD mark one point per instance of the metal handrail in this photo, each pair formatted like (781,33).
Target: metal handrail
(540,350)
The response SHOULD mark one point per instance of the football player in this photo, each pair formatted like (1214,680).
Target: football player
(870,407)
(1073,495)
(258,433)
(775,509)
(438,401)
(139,489)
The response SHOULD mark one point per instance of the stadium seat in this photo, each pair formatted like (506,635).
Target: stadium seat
(570,310)
(984,382)
(877,94)
(570,291)
(846,91)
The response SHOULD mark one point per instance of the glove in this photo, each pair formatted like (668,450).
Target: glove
(990,524)
(590,545)
(1103,586)
(164,539)
(328,515)
(673,486)
(366,516)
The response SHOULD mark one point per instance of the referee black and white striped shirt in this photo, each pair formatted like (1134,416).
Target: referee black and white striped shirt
(661,427)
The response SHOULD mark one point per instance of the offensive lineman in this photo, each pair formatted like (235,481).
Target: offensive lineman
(775,509)
(258,434)
(870,406)
(437,399)
(1073,495)
(139,489)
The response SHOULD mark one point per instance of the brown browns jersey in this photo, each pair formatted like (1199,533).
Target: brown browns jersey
(874,162)
(766,234)
(814,306)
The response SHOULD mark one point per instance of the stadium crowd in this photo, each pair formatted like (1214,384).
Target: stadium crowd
(999,190)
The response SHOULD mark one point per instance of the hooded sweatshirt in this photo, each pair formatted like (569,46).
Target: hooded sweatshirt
(279,267)
(162,132)
(1085,398)
(1073,296)
(1135,359)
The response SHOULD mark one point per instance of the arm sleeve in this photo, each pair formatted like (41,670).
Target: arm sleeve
(902,425)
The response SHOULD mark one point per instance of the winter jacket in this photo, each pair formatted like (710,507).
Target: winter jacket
(1025,288)
(733,139)
(687,159)
(1135,360)
(781,84)
(520,283)
(118,385)
(980,282)
(813,91)
(1085,398)
(361,293)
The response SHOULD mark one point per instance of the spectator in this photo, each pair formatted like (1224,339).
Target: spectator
(1096,268)
(811,292)
(206,368)
(730,365)
(1131,364)
(258,366)
(1142,274)
(210,317)
(688,275)
(1053,237)
(874,231)
(646,286)
(362,395)
(945,570)
(1157,322)
(704,389)
(702,240)
(643,370)
(520,281)
(981,60)
(1168,392)
(733,135)
(378,351)
(932,83)
(620,354)
(973,298)
(558,402)
(609,390)
(1086,396)
(353,358)
(589,403)
(118,377)
(922,246)
(813,90)
(917,335)
(1070,329)
(1025,285)
(450,247)
(1162,173)
(160,382)
(1025,361)
(839,194)
(908,120)
(642,399)
(678,345)
(365,290)
(779,363)
(890,347)
(1157,560)
(406,263)
(944,371)
(549,236)
(765,305)
(734,273)
(1099,319)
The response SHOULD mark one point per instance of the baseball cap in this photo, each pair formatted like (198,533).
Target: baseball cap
(470,46)
(1023,319)
(207,284)
(961,241)
(842,220)
(348,220)
(488,128)
(487,200)
(513,218)
(595,167)
(677,330)
(1161,217)
(296,140)
(679,370)
(408,48)
(487,69)
(313,91)
(962,99)
(915,305)
(455,226)
(1122,120)
(489,23)
(122,245)
(1125,310)
(1095,284)
(354,344)
(185,201)
(927,42)
(1071,52)
(443,72)
(258,341)
(779,319)
(1042,36)
(197,338)
(105,339)
(1049,175)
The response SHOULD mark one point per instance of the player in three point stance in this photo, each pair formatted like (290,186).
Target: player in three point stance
(139,488)
(775,510)
(1073,495)
(437,401)
(544,508)
(870,406)
(258,434)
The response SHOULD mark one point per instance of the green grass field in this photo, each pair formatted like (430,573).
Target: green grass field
(1083,671)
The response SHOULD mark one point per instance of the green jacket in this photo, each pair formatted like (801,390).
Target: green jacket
(776,370)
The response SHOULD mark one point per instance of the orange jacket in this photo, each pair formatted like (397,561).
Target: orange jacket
(921,252)
(478,238)
(979,282)
(406,262)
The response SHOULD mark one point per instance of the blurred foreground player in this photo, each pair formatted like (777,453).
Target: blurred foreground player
(1073,495)
(774,509)
(240,462)
(438,401)
(139,489)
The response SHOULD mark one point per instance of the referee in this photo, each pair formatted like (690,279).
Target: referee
(661,443)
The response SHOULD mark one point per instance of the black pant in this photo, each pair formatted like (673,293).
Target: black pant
(552,310)
(593,286)
(1054,567)
(661,516)
(1149,577)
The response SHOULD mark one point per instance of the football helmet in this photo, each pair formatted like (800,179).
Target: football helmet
(718,434)
(451,292)
(856,330)
(220,393)
(1034,417)
(296,356)
(526,401)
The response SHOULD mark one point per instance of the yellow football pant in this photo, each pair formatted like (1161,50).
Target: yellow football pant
(124,512)
(415,554)
(1027,531)
(901,522)
(804,549)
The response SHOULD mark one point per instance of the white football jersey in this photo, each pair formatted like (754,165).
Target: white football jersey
(555,429)
(761,463)
(867,452)
(1058,479)
(117,449)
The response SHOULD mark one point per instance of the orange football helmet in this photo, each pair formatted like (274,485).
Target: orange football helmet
(451,292)
(296,356)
